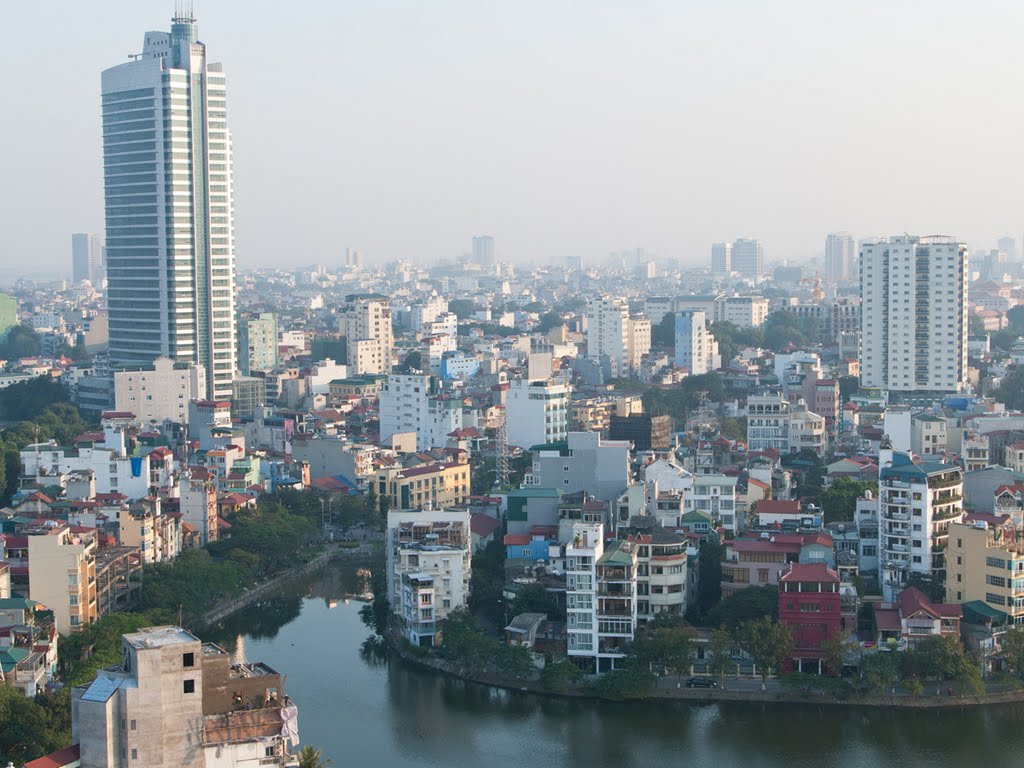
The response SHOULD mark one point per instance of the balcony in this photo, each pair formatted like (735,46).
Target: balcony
(615,590)
(898,548)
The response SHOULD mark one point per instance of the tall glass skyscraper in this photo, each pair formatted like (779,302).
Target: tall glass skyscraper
(169,207)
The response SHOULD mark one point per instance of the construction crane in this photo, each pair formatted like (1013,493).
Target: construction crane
(816,290)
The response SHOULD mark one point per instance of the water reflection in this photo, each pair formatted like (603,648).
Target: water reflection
(363,707)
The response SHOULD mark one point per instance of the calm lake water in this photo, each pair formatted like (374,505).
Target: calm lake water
(369,712)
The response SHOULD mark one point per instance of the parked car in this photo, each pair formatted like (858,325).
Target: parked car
(701,682)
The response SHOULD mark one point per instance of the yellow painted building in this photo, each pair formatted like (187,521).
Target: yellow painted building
(62,576)
(985,561)
(437,484)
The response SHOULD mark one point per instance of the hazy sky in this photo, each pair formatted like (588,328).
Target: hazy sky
(560,127)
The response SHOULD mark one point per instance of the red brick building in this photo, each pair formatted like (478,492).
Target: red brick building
(810,605)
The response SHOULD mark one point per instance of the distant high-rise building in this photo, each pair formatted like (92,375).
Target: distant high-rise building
(369,338)
(1008,245)
(483,250)
(721,258)
(169,209)
(913,314)
(839,256)
(257,343)
(87,258)
(691,341)
(616,338)
(748,257)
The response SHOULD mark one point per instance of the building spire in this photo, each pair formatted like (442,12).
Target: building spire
(184,12)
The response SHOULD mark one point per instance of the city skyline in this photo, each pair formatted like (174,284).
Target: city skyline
(408,151)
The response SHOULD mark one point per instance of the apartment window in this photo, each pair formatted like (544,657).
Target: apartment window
(133,725)
(995,581)
(189,686)
(994,562)
(135,754)
(995,599)
(917,558)
(269,752)
(188,659)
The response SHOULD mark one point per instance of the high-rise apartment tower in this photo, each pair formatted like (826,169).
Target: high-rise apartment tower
(914,314)
(169,209)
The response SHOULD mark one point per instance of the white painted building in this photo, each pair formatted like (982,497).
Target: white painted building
(161,391)
(691,341)
(170,207)
(613,335)
(537,411)
(914,314)
(748,257)
(429,564)
(412,403)
(716,495)
(840,256)
(368,333)
(917,502)
(767,422)
(721,258)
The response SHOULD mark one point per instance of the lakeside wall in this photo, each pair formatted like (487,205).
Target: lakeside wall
(711,696)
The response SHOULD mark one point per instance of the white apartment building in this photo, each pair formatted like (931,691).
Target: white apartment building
(423,313)
(806,430)
(917,503)
(87,258)
(661,572)
(159,392)
(914,314)
(768,422)
(175,701)
(840,256)
(113,471)
(691,341)
(429,564)
(716,495)
(412,403)
(614,336)
(748,257)
(368,334)
(257,343)
(601,597)
(537,411)
(742,311)
(170,207)
(433,349)
(721,258)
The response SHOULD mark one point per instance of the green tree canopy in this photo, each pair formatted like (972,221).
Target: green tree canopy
(1011,390)
(839,502)
(743,606)
(767,641)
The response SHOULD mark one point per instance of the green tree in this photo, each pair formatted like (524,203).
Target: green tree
(664,333)
(881,670)
(413,361)
(1012,643)
(560,675)
(744,606)
(26,732)
(721,646)
(767,642)
(548,321)
(733,429)
(463,308)
(534,598)
(515,660)
(848,386)
(21,341)
(310,757)
(1010,391)
(834,649)
(627,683)
(839,502)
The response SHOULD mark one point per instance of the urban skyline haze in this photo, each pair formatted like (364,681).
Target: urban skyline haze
(564,128)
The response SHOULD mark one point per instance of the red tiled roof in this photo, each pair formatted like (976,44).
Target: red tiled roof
(817,572)
(516,539)
(60,759)
(778,507)
(161,452)
(483,525)
(888,619)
